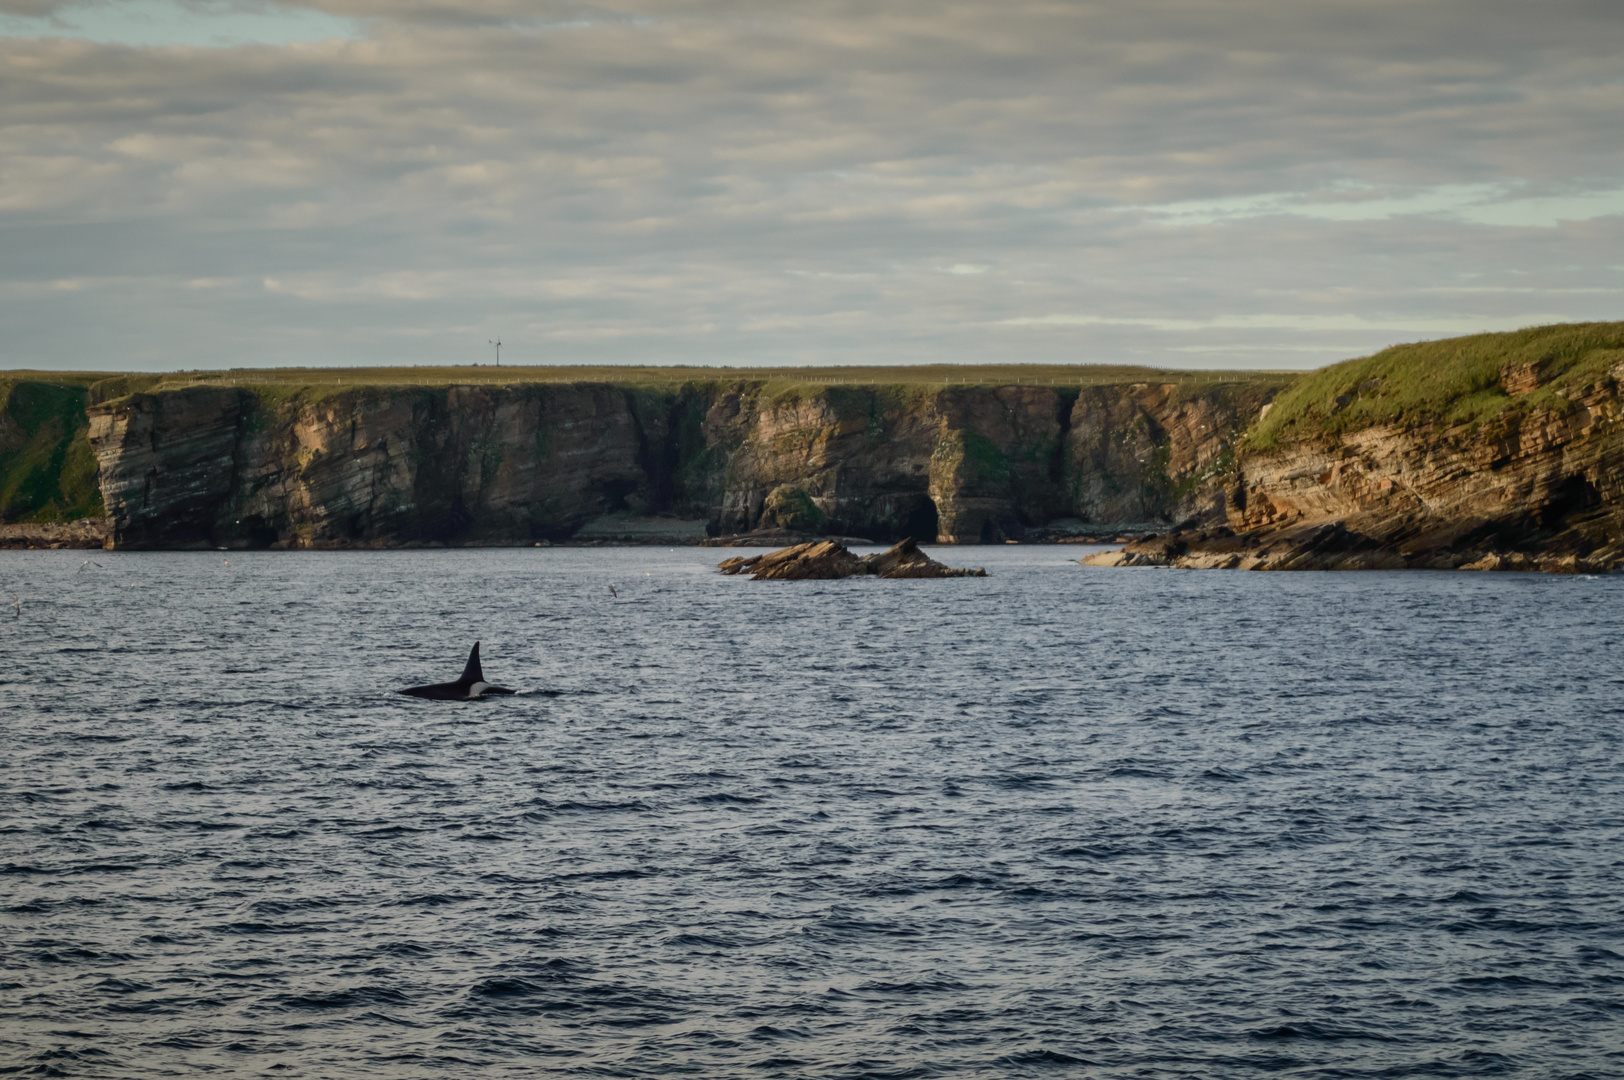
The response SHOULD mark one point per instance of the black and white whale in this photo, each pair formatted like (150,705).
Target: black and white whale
(471,686)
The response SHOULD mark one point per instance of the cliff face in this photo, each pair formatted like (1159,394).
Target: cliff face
(963,465)
(1542,489)
(213,466)
(1496,451)
(382,466)
(1525,471)
(173,458)
(1147,451)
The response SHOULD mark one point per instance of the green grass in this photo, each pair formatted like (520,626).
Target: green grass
(1452,382)
(47,470)
(106,386)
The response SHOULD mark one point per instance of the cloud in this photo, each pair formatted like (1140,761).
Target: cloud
(1435,326)
(1505,203)
(820,182)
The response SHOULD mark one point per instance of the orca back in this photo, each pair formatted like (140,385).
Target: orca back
(472,674)
(444,691)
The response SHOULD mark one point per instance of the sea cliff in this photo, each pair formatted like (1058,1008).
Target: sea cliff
(520,462)
(1501,451)
(1495,451)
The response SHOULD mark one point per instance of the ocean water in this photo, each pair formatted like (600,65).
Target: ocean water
(1055,822)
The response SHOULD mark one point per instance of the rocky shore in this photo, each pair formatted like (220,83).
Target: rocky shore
(1333,546)
(89,533)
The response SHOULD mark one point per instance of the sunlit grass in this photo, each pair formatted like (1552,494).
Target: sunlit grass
(1455,381)
(109,385)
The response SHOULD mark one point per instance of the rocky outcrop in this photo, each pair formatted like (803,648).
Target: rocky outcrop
(827,560)
(524,463)
(905,560)
(822,560)
(1524,481)
(85,533)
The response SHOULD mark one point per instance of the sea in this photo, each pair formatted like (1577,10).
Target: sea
(1059,821)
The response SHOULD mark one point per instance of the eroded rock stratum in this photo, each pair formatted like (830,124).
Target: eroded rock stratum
(1502,452)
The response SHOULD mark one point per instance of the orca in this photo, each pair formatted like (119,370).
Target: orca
(470,687)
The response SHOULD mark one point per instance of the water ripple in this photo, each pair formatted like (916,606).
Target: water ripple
(1054,822)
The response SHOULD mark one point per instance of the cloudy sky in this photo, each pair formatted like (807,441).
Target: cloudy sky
(1191,183)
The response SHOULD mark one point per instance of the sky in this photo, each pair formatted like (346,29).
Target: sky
(1183,183)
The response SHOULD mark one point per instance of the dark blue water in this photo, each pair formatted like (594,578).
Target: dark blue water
(1057,822)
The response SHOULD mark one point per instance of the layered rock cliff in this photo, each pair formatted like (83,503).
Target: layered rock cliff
(391,465)
(1497,452)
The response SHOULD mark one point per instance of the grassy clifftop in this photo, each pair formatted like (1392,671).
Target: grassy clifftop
(1465,380)
(319,381)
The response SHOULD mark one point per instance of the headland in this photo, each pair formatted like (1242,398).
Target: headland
(1492,451)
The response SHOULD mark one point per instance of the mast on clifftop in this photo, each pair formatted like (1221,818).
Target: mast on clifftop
(498,344)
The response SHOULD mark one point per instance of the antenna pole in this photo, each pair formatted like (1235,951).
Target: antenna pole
(498,344)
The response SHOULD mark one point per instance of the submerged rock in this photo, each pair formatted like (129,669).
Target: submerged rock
(826,560)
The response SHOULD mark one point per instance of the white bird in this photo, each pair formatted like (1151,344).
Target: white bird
(17,604)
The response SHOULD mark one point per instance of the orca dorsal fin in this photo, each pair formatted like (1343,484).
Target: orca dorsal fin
(471,672)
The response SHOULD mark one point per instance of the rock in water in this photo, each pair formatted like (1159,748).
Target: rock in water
(905,560)
(825,560)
